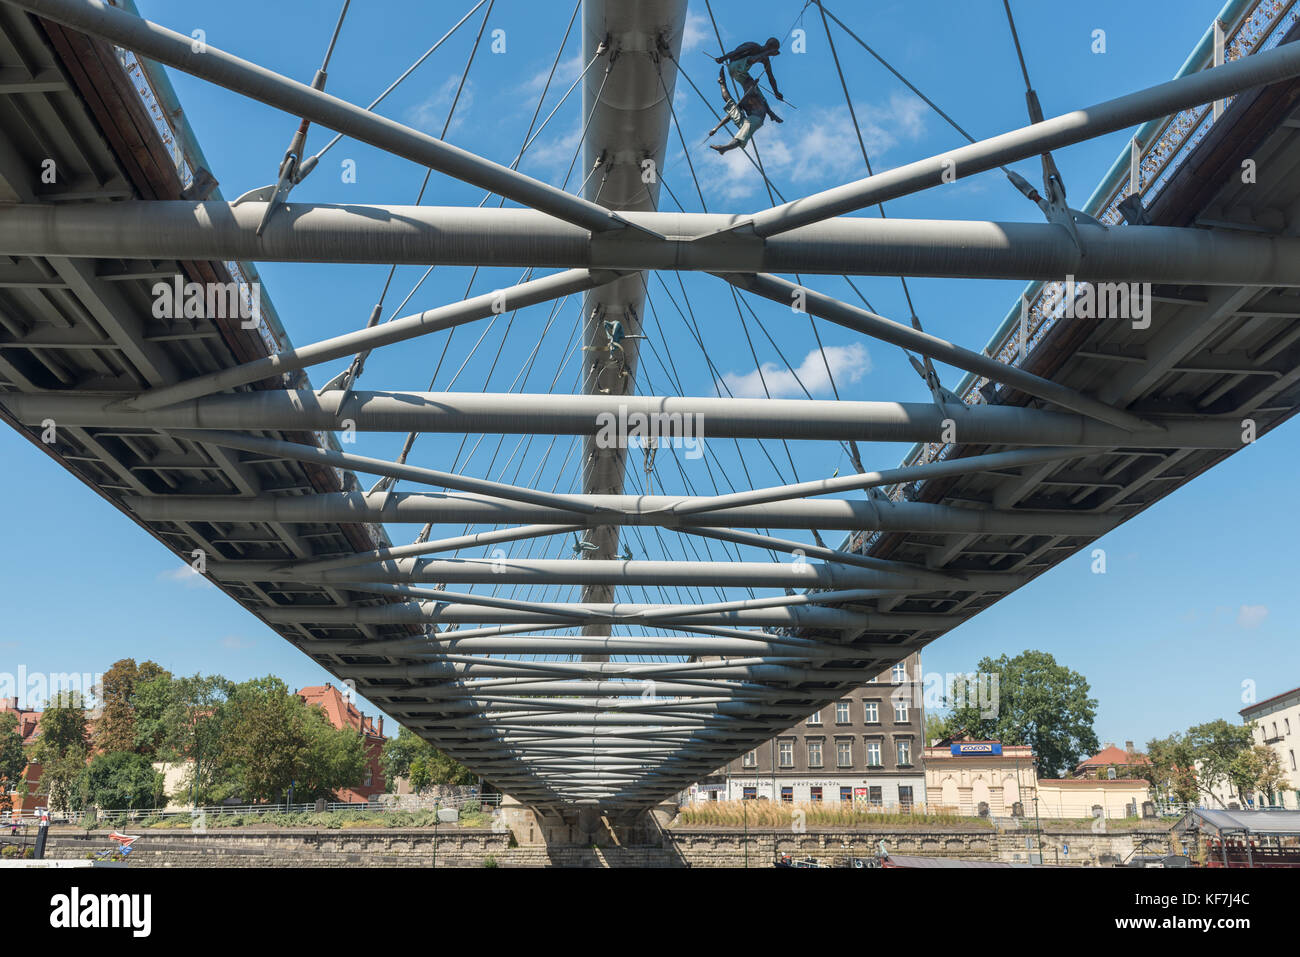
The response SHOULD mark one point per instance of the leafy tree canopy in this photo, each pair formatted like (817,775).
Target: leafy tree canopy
(1039,703)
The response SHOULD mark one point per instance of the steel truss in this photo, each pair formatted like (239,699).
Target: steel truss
(622,720)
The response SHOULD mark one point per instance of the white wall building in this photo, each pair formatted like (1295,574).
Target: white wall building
(1277,725)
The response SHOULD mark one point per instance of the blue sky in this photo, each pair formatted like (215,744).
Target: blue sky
(1199,596)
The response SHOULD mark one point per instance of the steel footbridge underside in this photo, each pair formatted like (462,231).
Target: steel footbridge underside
(210,436)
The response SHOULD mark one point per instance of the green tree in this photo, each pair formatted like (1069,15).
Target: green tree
(1172,771)
(1215,747)
(1258,770)
(262,746)
(410,756)
(123,779)
(61,748)
(273,740)
(1039,703)
(938,726)
(115,729)
(13,760)
(335,757)
(184,717)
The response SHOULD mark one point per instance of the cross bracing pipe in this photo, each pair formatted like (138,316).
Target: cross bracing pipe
(908,473)
(517,571)
(799,610)
(494,537)
(423,612)
(1152,103)
(619,645)
(536,613)
(573,722)
(423,235)
(747,669)
(454,314)
(886,330)
(302,101)
(802,550)
(412,473)
(727,669)
(484,688)
(624,418)
(423,643)
(720,706)
(842,514)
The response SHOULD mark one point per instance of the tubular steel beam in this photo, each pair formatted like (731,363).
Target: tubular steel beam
(622,418)
(642,645)
(886,330)
(690,241)
(964,465)
(515,571)
(1155,102)
(296,451)
(425,612)
(841,514)
(477,539)
(302,101)
(397,330)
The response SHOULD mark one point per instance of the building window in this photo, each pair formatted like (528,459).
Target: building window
(750,759)
(871,711)
(815,795)
(875,795)
(787,794)
(785,753)
(900,710)
(904,752)
(815,718)
(814,754)
(905,797)
(748,794)
(873,754)
(1292,753)
(1286,722)
(842,712)
(899,673)
(846,794)
(844,754)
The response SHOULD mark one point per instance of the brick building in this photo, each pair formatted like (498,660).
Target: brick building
(343,713)
(29,726)
(865,747)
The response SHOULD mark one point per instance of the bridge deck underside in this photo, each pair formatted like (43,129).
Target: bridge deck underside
(74,325)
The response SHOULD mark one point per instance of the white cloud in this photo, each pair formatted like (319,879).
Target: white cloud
(566,71)
(848,364)
(1251,616)
(431,114)
(550,156)
(696,33)
(818,145)
(186,576)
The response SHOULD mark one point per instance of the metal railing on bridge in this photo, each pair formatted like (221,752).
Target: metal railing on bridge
(1243,27)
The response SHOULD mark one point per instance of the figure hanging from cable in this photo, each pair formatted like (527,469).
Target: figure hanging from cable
(739,61)
(749,114)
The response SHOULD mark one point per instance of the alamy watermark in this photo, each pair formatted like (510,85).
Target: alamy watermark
(34,689)
(178,299)
(640,430)
(1100,300)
